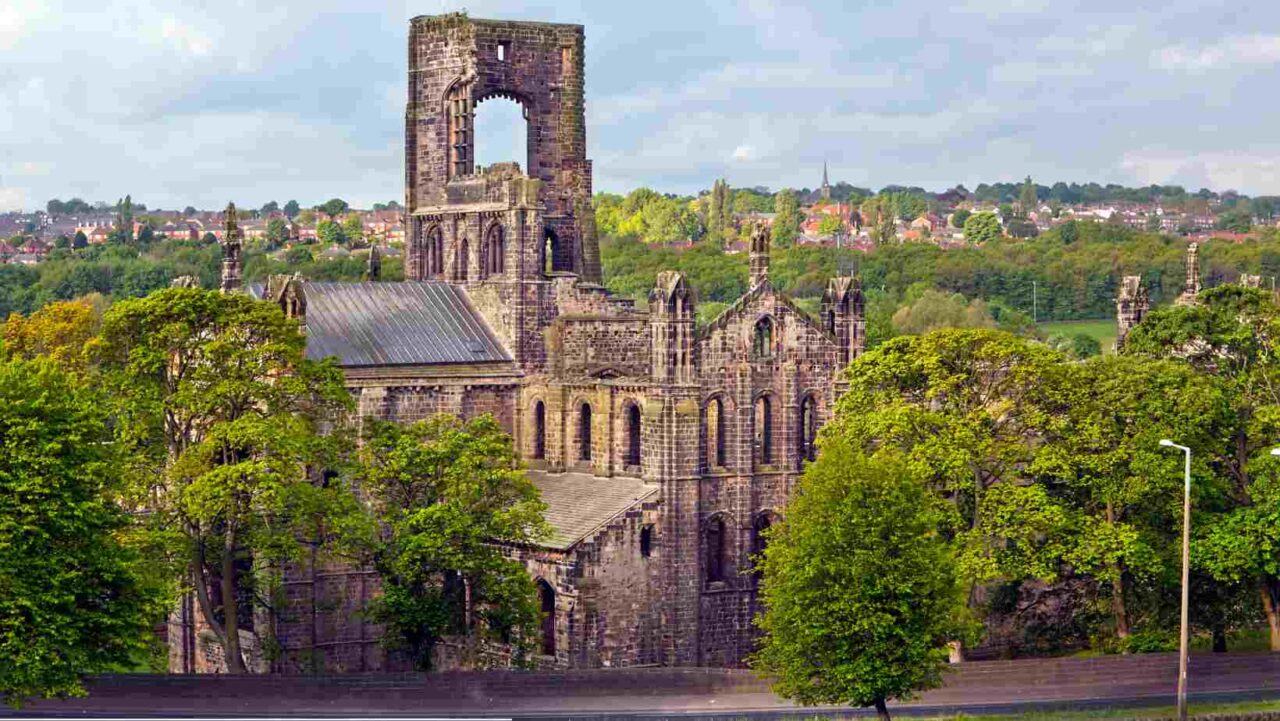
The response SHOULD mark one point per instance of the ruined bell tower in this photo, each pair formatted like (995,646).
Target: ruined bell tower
(541,207)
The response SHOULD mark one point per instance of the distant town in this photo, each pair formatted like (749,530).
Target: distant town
(831,215)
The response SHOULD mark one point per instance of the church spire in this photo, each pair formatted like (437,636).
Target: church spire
(826,186)
(232,239)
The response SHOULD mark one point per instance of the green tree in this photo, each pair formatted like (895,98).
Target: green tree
(269,207)
(447,492)
(1106,466)
(879,213)
(935,310)
(329,232)
(60,331)
(1027,201)
(969,431)
(291,209)
(333,208)
(222,413)
(859,588)
(981,228)
(959,217)
(786,222)
(80,240)
(277,232)
(124,219)
(830,225)
(353,229)
(1231,334)
(75,598)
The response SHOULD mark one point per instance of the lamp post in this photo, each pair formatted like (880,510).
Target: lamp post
(1186,565)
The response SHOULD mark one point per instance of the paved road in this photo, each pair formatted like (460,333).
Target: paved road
(981,687)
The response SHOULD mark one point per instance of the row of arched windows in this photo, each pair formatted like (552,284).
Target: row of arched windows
(582,439)
(492,260)
(716,451)
(718,545)
(716,454)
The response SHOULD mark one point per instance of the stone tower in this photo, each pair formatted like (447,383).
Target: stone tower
(671,320)
(232,247)
(1131,307)
(542,213)
(759,254)
(1191,288)
(843,317)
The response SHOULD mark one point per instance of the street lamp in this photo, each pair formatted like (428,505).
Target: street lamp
(1186,557)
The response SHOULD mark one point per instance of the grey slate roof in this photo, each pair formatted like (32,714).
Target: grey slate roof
(406,323)
(578,504)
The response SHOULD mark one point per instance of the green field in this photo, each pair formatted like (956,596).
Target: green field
(1102,330)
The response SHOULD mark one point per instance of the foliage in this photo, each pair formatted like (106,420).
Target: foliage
(1231,335)
(1076,345)
(965,407)
(333,208)
(859,588)
(981,228)
(959,217)
(1102,460)
(446,491)
(73,596)
(222,415)
(786,222)
(60,331)
(935,310)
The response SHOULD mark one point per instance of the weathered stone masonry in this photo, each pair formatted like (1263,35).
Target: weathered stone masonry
(663,450)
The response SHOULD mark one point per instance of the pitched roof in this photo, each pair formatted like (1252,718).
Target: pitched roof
(578,504)
(405,323)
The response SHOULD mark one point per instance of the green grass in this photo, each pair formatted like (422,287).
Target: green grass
(1150,712)
(1104,331)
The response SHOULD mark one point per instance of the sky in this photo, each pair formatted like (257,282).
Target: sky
(197,102)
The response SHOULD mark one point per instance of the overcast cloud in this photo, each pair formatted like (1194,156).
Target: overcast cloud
(192,102)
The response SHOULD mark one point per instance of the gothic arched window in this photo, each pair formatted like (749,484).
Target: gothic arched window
(547,603)
(539,430)
(808,428)
(494,251)
(763,345)
(759,540)
(716,550)
(464,256)
(764,429)
(715,433)
(584,432)
(633,435)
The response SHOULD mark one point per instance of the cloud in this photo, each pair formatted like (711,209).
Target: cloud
(1226,54)
(189,102)
(1256,171)
(17,18)
(12,198)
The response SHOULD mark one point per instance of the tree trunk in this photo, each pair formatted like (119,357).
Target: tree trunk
(1118,610)
(1117,604)
(1271,606)
(230,606)
(882,710)
(1219,639)
(955,651)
